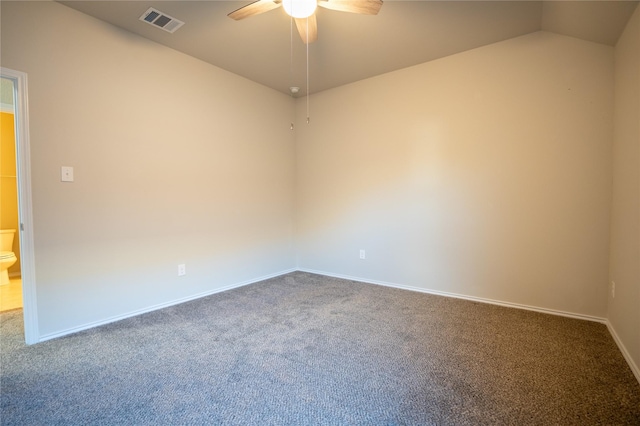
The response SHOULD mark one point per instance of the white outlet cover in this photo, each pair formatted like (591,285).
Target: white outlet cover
(66,174)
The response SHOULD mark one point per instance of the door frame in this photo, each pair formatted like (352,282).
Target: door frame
(25,216)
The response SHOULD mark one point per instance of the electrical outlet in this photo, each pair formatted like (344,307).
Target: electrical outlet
(362,254)
(182,269)
(66,174)
(613,289)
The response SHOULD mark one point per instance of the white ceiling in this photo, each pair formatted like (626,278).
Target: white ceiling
(353,47)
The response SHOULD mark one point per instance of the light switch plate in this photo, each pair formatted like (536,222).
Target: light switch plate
(66,174)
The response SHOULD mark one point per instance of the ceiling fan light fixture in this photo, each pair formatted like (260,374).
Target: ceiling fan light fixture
(299,8)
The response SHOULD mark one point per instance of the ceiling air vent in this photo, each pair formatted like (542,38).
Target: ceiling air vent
(161,20)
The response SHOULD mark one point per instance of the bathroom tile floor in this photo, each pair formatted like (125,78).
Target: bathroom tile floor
(11,295)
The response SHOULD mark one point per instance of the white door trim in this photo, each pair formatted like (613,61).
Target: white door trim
(25,216)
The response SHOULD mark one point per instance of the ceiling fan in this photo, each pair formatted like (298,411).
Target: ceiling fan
(303,11)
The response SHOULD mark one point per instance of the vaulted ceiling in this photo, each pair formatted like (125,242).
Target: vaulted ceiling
(267,49)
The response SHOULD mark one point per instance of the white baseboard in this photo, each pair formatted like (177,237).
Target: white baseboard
(93,324)
(623,349)
(462,296)
(625,352)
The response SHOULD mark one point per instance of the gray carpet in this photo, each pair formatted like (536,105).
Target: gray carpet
(306,349)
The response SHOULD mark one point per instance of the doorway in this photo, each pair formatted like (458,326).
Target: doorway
(10,282)
(15,84)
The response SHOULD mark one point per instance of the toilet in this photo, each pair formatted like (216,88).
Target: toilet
(7,256)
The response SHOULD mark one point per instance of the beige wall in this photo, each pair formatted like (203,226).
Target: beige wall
(486,174)
(175,161)
(624,309)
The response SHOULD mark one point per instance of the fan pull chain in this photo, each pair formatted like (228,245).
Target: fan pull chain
(291,50)
(291,60)
(307,70)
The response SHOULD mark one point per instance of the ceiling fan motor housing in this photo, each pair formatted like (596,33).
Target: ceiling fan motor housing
(299,8)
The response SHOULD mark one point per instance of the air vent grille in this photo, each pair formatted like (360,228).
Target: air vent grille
(161,20)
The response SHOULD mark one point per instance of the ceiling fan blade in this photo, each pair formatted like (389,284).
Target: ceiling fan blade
(363,7)
(254,8)
(311,28)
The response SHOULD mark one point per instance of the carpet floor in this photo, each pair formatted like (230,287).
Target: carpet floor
(304,349)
